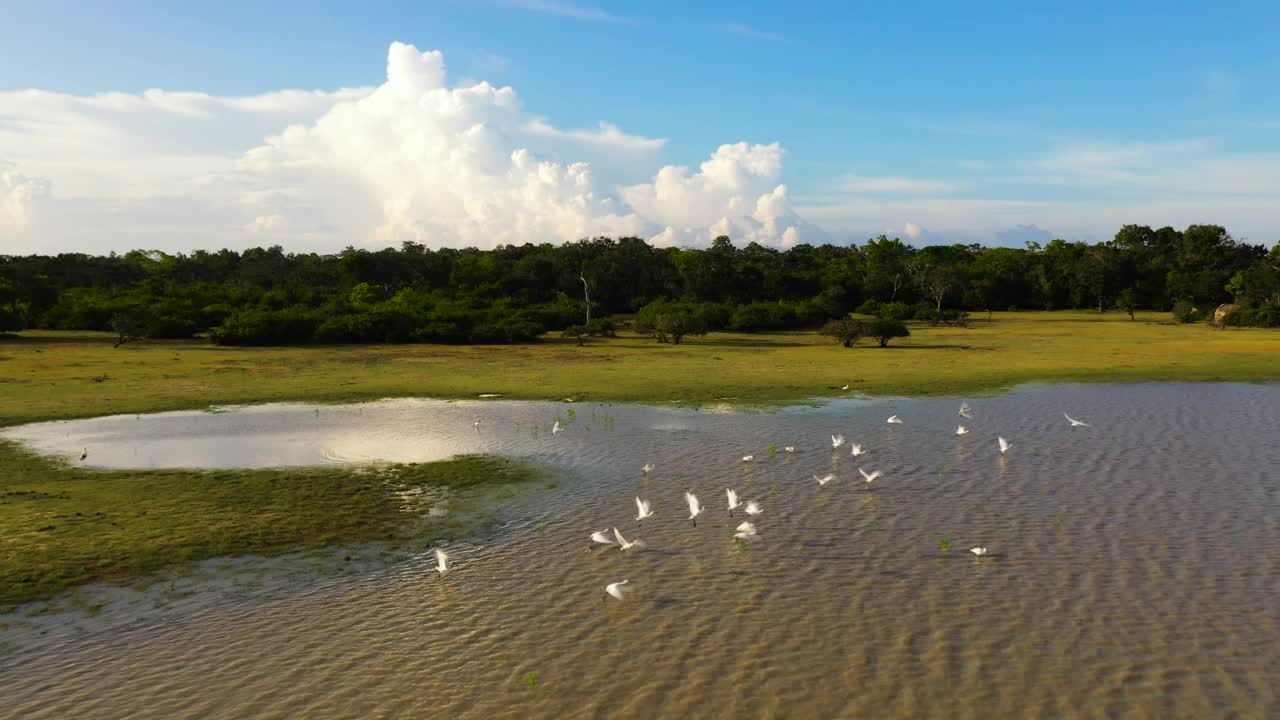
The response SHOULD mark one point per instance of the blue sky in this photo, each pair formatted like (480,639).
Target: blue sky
(932,114)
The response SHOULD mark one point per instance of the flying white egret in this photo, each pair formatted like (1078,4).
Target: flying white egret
(979,551)
(748,458)
(965,412)
(625,544)
(648,468)
(442,562)
(789,448)
(1074,422)
(616,590)
(753,508)
(695,507)
(869,477)
(734,502)
(893,420)
(644,509)
(1004,445)
(746,532)
(555,429)
(837,441)
(602,537)
(856,450)
(962,430)
(824,480)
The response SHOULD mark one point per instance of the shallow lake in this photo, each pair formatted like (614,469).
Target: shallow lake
(1133,567)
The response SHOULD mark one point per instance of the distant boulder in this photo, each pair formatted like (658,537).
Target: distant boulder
(1222,312)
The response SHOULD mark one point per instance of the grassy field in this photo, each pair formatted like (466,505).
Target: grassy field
(62,375)
(62,526)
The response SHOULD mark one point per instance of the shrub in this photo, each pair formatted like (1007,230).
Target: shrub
(670,321)
(846,331)
(715,316)
(895,311)
(1185,312)
(294,324)
(884,330)
(870,306)
(1264,316)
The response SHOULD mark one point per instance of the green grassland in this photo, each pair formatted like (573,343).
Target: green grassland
(60,375)
(61,525)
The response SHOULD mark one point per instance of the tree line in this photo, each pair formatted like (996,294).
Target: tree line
(515,293)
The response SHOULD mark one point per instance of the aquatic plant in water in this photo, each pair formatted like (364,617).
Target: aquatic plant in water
(944,544)
(531,680)
(773,449)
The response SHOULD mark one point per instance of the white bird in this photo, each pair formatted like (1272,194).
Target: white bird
(555,429)
(962,430)
(846,387)
(856,450)
(1004,445)
(746,531)
(647,468)
(477,424)
(979,551)
(695,507)
(616,589)
(753,508)
(964,411)
(789,448)
(893,420)
(748,458)
(602,537)
(644,509)
(625,544)
(734,502)
(824,480)
(869,477)
(442,561)
(1074,422)
(837,441)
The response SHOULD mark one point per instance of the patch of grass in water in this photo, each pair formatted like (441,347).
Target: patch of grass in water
(65,525)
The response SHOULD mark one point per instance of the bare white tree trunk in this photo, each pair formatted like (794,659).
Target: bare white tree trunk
(586,297)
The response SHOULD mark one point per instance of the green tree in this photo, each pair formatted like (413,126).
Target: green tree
(884,330)
(846,331)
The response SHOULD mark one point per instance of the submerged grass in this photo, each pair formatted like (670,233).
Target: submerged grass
(62,526)
(63,375)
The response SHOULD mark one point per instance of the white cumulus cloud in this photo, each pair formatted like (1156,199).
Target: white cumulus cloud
(412,158)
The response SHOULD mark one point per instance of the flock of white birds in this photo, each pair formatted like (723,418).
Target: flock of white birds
(746,531)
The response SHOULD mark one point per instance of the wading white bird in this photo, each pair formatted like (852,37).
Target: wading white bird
(616,590)
(893,420)
(442,561)
(846,387)
(1004,445)
(746,532)
(788,448)
(869,477)
(625,544)
(965,411)
(824,480)
(695,507)
(477,424)
(555,429)
(647,468)
(856,450)
(752,508)
(979,551)
(748,458)
(734,502)
(602,537)
(837,441)
(962,430)
(1074,422)
(643,509)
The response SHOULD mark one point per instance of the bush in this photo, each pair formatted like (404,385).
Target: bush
(1264,316)
(884,330)
(775,316)
(870,306)
(373,327)
(955,318)
(896,311)
(670,321)
(715,316)
(846,331)
(1185,312)
(292,325)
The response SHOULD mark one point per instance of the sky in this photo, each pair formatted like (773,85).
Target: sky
(318,125)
